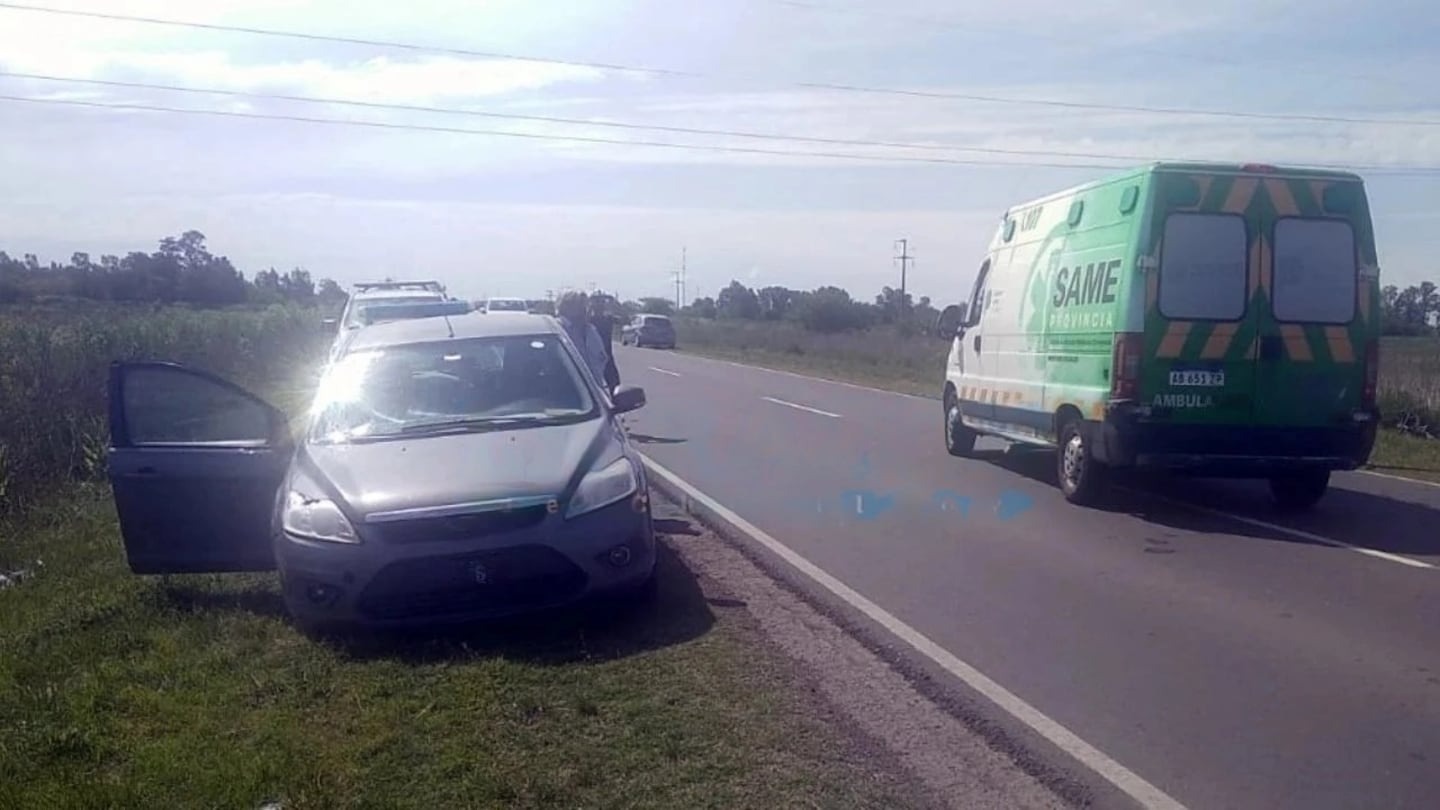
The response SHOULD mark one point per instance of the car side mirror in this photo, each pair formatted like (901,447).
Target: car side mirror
(950,321)
(627,398)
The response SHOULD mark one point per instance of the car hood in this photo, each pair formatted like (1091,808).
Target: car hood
(419,472)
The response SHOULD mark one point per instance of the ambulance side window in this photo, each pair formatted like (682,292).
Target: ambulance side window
(980,296)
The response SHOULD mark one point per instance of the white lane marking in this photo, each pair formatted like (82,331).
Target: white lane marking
(1301,533)
(663,371)
(1398,478)
(801,407)
(810,377)
(1118,775)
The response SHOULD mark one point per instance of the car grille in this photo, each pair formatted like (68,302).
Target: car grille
(459,527)
(435,587)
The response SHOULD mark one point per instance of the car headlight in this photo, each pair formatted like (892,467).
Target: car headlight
(599,488)
(317,519)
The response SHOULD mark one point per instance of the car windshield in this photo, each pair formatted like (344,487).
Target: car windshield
(507,305)
(655,320)
(474,384)
(357,312)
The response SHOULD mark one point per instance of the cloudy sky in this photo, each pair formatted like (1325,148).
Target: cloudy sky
(519,205)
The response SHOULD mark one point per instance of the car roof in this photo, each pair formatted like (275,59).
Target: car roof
(453,327)
(368,295)
(505,298)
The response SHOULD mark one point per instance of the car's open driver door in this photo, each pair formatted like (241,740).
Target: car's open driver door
(195,463)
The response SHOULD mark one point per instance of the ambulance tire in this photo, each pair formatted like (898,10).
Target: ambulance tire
(1083,479)
(959,439)
(1299,491)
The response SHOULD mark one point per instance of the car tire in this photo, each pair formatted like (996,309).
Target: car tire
(959,439)
(1298,491)
(1081,476)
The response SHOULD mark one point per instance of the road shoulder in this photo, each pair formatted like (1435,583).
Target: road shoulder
(879,706)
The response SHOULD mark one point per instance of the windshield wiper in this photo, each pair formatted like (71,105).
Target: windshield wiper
(478,424)
(449,426)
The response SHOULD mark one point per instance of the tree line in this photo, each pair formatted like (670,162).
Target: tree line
(181,271)
(824,309)
(1413,310)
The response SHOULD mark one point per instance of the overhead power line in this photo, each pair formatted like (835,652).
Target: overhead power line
(304,119)
(550,119)
(1036,153)
(846,88)
(155,108)
(1010,31)
(376,43)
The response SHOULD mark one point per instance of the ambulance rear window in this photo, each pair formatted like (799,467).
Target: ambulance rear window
(1315,271)
(1202,267)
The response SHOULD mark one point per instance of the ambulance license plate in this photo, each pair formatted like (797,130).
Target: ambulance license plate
(1211,379)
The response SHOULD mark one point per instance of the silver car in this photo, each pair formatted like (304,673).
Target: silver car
(367,296)
(450,468)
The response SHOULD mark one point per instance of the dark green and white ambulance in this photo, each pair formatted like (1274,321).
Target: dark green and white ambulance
(1216,320)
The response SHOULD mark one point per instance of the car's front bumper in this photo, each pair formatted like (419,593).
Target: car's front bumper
(553,563)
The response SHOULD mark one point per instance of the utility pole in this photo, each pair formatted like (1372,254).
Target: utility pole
(905,258)
(679,276)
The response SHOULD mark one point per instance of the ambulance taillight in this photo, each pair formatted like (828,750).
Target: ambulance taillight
(1125,366)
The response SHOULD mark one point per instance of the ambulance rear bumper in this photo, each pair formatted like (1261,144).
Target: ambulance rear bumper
(1127,438)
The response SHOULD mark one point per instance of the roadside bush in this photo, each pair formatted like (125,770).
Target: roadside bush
(1409,389)
(54,365)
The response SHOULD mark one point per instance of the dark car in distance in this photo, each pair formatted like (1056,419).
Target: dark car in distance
(449,468)
(657,331)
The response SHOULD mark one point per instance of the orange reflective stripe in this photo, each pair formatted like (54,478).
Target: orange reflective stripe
(1174,340)
(1219,341)
(1240,195)
(1281,197)
(1341,349)
(1295,343)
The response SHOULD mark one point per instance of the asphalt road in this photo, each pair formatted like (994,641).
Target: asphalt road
(1228,655)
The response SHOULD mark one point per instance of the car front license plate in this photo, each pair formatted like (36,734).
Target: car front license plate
(1212,379)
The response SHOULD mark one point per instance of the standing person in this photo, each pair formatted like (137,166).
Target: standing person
(605,325)
(575,319)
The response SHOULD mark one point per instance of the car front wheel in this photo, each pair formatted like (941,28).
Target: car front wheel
(1082,477)
(959,439)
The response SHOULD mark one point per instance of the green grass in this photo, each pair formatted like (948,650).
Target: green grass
(1409,385)
(879,357)
(122,691)
(196,691)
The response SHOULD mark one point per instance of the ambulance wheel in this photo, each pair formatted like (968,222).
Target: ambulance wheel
(959,439)
(1082,478)
(1299,490)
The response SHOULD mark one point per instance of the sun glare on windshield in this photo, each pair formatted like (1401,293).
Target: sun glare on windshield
(480,383)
